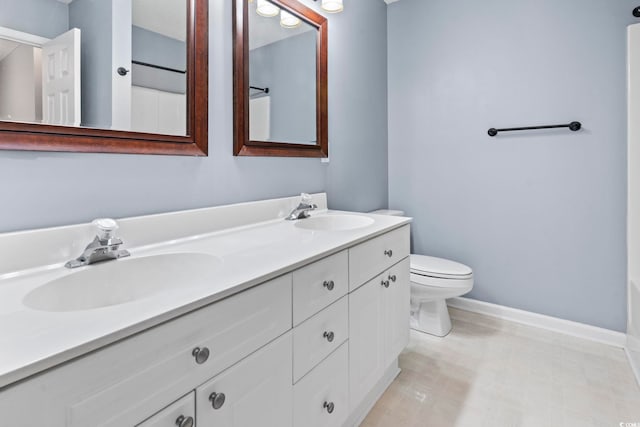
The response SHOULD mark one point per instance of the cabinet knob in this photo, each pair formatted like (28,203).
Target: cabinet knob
(328,284)
(329,406)
(388,253)
(201,354)
(217,400)
(183,421)
(329,336)
(392,277)
(385,283)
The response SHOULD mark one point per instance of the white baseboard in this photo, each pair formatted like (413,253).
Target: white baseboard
(634,366)
(580,330)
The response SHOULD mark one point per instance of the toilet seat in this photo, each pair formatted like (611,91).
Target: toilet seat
(439,268)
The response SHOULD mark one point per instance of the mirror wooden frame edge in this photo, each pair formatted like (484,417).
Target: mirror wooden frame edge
(242,146)
(39,137)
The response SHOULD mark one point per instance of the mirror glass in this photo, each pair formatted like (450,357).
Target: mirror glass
(282,76)
(105,64)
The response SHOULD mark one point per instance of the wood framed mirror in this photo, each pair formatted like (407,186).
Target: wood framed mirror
(280,79)
(144,90)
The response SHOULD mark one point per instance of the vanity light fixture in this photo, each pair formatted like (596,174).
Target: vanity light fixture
(288,20)
(267,9)
(332,6)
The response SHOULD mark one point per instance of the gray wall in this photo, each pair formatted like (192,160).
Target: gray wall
(157,49)
(93,18)
(288,68)
(540,216)
(45,18)
(46,189)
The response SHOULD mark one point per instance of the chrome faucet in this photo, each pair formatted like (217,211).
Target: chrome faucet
(303,209)
(103,247)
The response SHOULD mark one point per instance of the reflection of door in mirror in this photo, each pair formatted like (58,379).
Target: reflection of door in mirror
(61,79)
(282,76)
(40,78)
(130,76)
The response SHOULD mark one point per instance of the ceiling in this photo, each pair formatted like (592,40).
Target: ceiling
(264,31)
(167,17)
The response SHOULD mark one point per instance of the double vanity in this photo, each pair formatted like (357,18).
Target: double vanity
(225,316)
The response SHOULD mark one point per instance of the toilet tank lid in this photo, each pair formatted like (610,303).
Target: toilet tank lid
(391,212)
(438,267)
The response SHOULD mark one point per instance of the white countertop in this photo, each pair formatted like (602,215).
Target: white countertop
(32,341)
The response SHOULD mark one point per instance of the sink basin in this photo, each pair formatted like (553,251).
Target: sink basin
(334,222)
(122,281)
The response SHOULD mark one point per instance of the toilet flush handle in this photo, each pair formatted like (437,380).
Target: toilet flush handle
(388,253)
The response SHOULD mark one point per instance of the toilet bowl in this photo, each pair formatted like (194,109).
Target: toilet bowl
(433,280)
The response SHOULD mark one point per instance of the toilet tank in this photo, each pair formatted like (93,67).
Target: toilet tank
(390,212)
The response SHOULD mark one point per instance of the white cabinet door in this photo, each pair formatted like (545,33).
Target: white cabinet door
(182,412)
(378,328)
(258,391)
(396,302)
(367,355)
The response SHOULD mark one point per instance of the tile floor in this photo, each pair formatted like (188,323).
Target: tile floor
(494,373)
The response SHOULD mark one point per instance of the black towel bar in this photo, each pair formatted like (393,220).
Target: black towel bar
(574,126)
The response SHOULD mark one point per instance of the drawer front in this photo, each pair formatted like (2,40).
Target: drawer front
(326,383)
(319,284)
(372,257)
(255,392)
(128,381)
(170,416)
(317,337)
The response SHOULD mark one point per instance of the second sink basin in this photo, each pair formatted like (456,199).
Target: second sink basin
(338,222)
(122,281)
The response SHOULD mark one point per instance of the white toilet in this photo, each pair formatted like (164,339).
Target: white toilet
(433,280)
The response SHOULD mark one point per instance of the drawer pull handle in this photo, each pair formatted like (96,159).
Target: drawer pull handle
(385,283)
(217,400)
(329,406)
(183,421)
(388,253)
(329,336)
(329,284)
(392,277)
(201,354)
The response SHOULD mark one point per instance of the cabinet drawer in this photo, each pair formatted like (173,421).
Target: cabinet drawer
(376,255)
(170,416)
(126,382)
(326,383)
(317,337)
(319,284)
(255,392)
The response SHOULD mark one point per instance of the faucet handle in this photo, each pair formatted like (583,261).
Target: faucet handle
(106,227)
(305,198)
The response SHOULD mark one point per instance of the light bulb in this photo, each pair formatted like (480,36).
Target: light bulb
(288,20)
(267,9)
(332,6)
